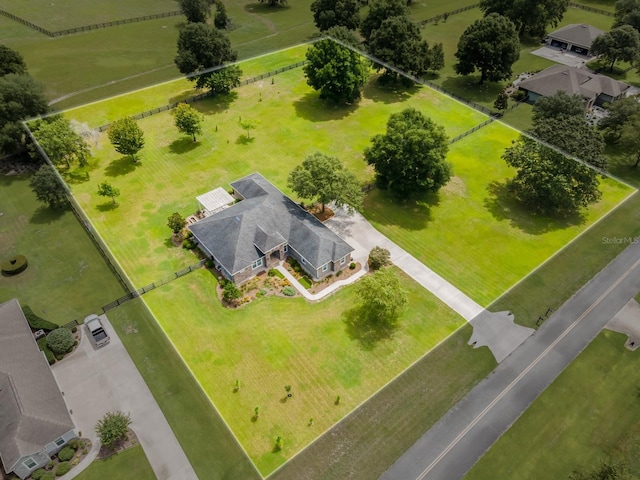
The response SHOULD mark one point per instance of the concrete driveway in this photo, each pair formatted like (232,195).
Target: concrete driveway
(561,56)
(97,381)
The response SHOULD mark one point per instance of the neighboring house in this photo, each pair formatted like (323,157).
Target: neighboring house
(34,420)
(262,229)
(592,87)
(576,37)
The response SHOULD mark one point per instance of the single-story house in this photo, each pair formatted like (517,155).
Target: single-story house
(594,88)
(34,420)
(262,229)
(576,37)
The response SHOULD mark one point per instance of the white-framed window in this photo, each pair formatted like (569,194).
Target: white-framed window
(286,248)
(325,267)
(256,264)
(29,463)
(342,260)
(303,261)
(60,441)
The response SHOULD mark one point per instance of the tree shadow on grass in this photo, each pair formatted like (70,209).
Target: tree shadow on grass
(504,206)
(121,166)
(311,107)
(79,175)
(468,87)
(183,145)
(245,139)
(45,214)
(412,214)
(363,326)
(264,8)
(392,92)
(107,207)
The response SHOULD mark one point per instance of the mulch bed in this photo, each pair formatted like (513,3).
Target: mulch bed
(131,440)
(316,211)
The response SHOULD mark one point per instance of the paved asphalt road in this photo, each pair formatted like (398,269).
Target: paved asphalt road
(459,439)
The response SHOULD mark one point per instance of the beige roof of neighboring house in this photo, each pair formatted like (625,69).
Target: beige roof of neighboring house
(32,410)
(573,81)
(579,34)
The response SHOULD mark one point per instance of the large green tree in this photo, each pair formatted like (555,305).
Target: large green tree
(629,140)
(490,45)
(382,297)
(559,120)
(604,471)
(48,187)
(379,11)
(21,97)
(548,182)
(113,427)
(398,42)
(11,62)
(620,44)
(324,178)
(105,189)
(411,156)
(628,13)
(335,13)
(60,142)
(619,113)
(196,11)
(529,16)
(336,71)
(202,47)
(188,120)
(126,136)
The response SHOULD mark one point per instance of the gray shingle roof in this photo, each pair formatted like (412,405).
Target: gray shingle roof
(579,34)
(32,409)
(266,218)
(573,81)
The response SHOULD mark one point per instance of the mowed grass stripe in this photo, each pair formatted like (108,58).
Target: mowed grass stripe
(275,342)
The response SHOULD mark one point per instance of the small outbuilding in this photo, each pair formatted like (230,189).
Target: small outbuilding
(576,38)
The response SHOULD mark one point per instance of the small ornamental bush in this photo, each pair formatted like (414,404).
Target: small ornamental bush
(37,475)
(74,329)
(188,244)
(208,263)
(289,291)
(352,266)
(379,257)
(230,292)
(60,340)
(63,468)
(48,476)
(66,454)
(112,428)
(75,444)
(14,265)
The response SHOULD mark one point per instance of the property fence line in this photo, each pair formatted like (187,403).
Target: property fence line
(84,28)
(152,286)
(591,9)
(445,15)
(201,96)
(71,324)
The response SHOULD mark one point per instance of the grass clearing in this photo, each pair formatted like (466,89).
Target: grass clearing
(322,350)
(173,169)
(132,464)
(65,279)
(472,233)
(367,442)
(587,415)
(557,280)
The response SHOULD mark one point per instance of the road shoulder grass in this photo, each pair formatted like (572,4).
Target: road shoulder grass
(587,415)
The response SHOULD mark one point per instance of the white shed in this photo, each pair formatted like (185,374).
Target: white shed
(214,201)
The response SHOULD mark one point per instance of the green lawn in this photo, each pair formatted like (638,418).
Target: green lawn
(471,233)
(64,14)
(367,442)
(323,350)
(65,279)
(173,170)
(131,464)
(558,279)
(588,415)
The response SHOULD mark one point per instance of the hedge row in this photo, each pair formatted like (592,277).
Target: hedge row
(36,322)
